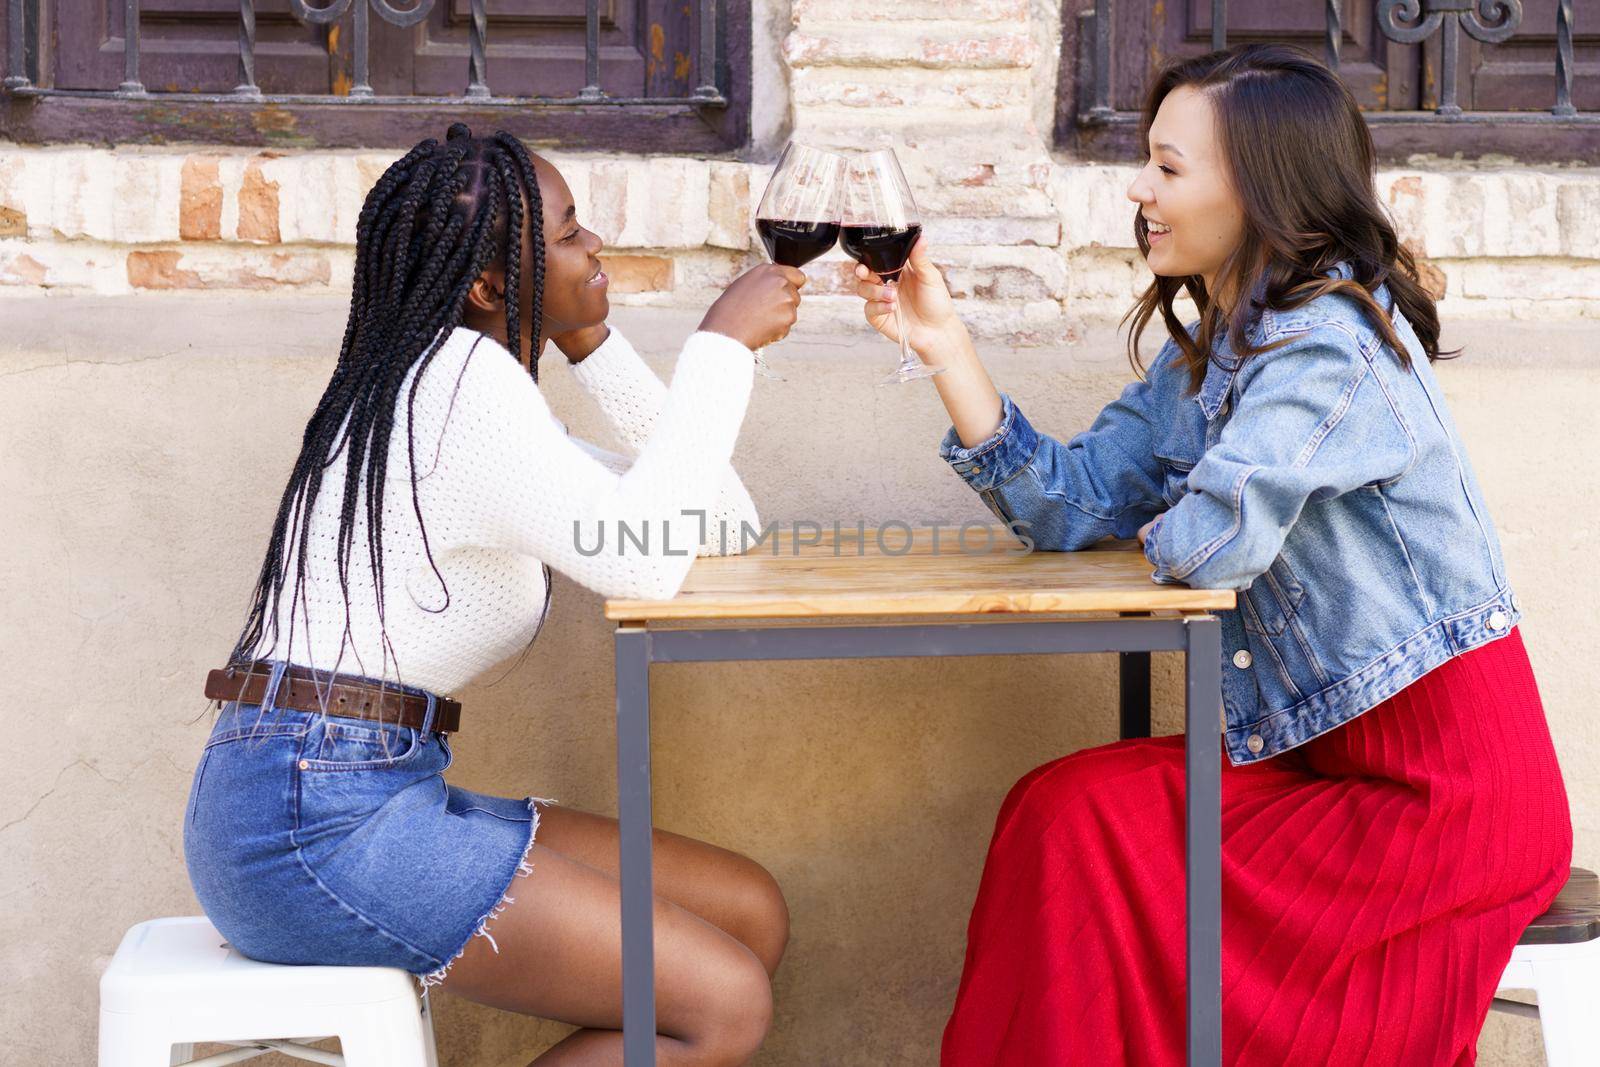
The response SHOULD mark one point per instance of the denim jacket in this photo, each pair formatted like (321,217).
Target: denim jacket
(1322,479)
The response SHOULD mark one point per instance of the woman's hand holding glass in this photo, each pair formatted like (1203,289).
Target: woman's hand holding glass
(759,307)
(798,219)
(930,315)
(938,337)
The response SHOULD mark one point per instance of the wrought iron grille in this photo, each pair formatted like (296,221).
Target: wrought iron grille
(680,119)
(1558,130)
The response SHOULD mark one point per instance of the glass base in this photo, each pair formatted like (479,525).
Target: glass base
(764,369)
(910,372)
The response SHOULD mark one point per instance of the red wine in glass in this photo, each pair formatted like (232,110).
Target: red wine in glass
(881,224)
(798,219)
(884,249)
(794,244)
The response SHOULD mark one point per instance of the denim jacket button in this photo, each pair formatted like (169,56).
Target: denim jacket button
(1242,659)
(1497,620)
(1514,605)
(1254,743)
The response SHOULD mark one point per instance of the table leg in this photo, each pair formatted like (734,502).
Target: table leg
(1133,693)
(1203,838)
(633,818)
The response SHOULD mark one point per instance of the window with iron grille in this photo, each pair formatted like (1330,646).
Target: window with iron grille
(1448,77)
(640,75)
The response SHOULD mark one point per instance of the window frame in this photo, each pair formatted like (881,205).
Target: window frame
(1112,135)
(39,114)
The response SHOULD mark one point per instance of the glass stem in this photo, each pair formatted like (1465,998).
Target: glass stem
(763,368)
(907,359)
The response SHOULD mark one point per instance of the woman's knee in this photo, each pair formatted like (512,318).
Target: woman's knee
(1063,785)
(765,914)
(1048,784)
(740,1016)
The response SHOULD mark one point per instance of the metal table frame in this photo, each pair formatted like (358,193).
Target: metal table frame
(1197,636)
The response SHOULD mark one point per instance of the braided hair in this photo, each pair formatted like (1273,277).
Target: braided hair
(430,226)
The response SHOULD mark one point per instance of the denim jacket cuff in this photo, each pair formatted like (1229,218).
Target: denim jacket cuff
(998,459)
(1162,573)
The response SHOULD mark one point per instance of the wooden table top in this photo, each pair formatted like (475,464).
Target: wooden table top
(856,575)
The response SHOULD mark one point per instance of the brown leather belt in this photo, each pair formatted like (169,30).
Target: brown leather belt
(302,691)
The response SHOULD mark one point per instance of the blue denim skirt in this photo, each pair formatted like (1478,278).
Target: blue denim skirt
(323,839)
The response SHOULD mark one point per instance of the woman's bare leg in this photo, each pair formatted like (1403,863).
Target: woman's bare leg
(732,892)
(561,949)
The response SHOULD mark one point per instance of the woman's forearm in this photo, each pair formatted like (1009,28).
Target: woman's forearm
(968,394)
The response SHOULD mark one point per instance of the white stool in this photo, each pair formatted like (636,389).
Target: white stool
(1558,958)
(175,982)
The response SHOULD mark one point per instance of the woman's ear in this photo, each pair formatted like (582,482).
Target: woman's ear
(488,291)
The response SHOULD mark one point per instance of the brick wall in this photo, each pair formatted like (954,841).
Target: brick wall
(1035,243)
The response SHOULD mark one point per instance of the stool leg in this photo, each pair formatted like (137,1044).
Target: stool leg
(388,1034)
(135,1041)
(427,1031)
(1569,993)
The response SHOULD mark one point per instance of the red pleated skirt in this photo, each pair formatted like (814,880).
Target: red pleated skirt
(1374,883)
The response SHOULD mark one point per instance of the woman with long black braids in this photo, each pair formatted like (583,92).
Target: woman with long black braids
(320,829)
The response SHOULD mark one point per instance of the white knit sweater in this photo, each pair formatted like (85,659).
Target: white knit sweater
(502,489)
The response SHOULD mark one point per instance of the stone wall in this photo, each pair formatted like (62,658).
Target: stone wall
(1037,244)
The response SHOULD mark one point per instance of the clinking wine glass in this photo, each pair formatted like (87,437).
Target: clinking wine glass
(798,219)
(881,224)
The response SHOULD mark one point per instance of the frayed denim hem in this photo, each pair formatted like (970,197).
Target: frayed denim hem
(524,868)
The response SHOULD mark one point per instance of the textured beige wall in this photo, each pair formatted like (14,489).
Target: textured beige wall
(144,441)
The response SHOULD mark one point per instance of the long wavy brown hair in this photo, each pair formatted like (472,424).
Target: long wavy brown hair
(1302,164)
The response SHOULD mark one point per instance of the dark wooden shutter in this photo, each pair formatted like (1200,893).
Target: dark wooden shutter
(187,46)
(1519,75)
(536,48)
(1382,75)
(1505,91)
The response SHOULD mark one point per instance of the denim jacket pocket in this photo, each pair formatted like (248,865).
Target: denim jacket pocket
(1174,477)
(1272,600)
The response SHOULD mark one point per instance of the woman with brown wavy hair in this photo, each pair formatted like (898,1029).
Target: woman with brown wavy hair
(1393,813)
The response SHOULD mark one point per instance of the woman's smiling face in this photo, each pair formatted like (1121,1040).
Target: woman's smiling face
(1192,215)
(574,283)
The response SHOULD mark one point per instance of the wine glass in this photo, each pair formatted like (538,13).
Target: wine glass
(881,223)
(798,219)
